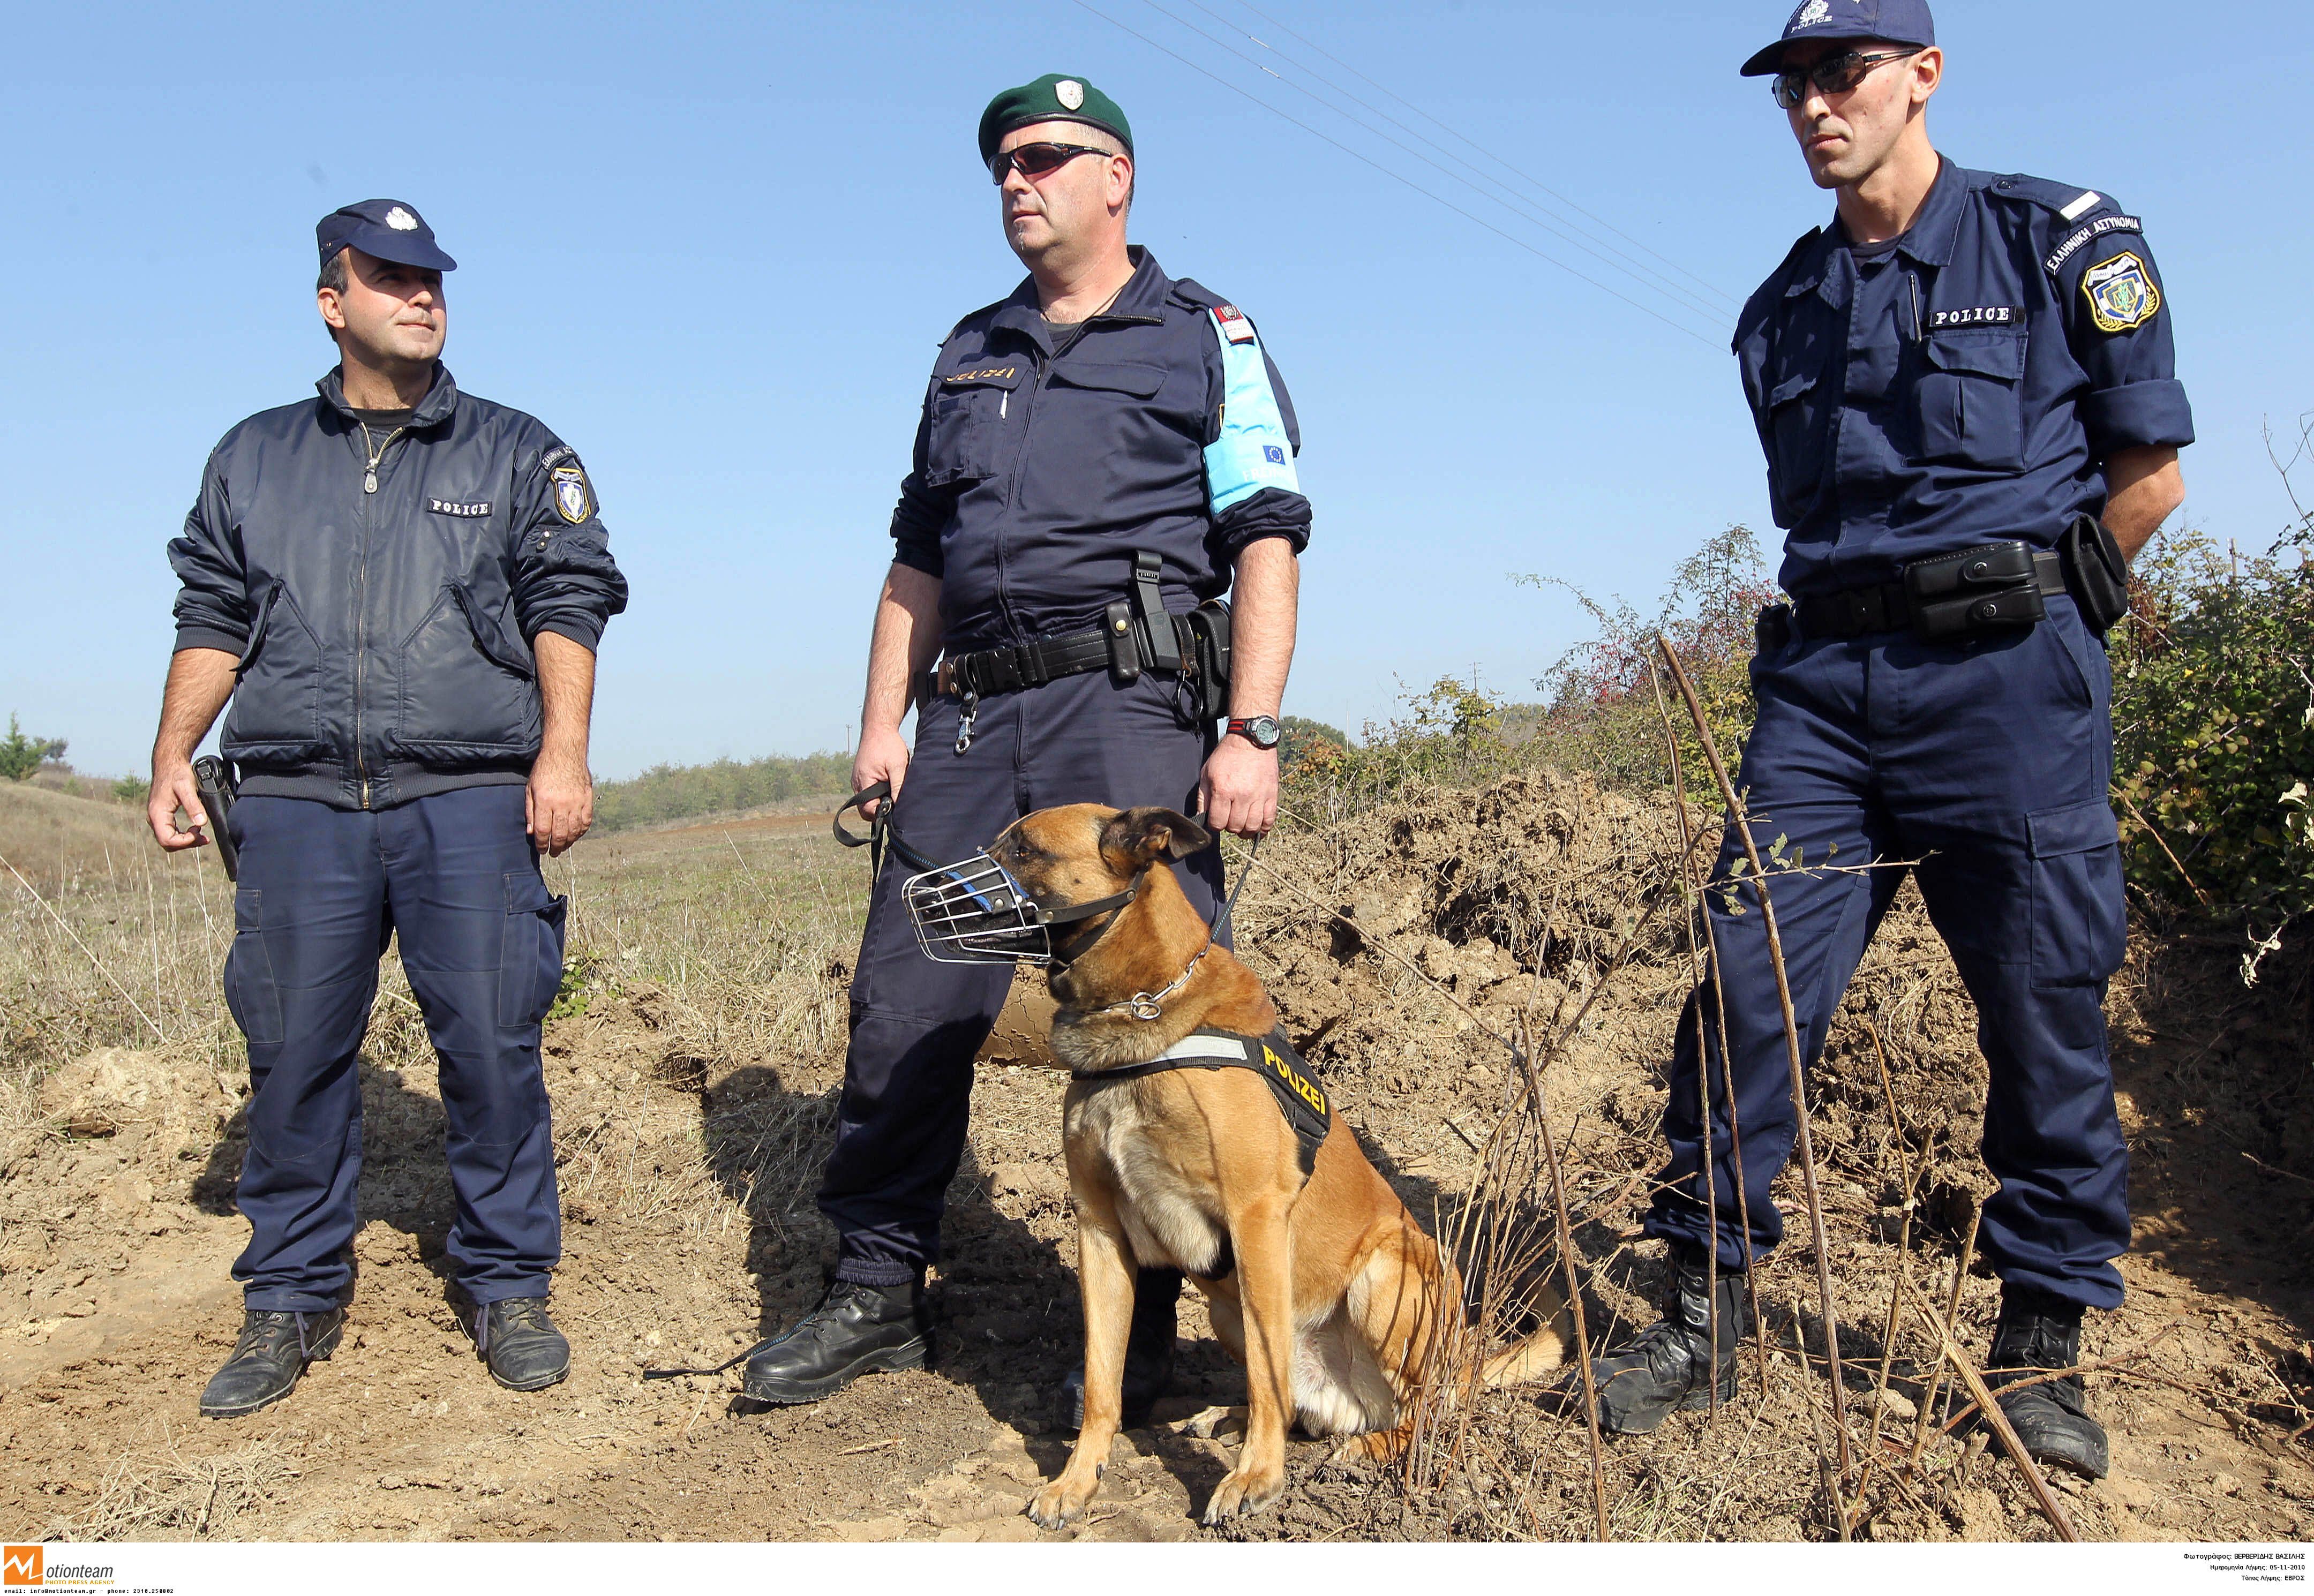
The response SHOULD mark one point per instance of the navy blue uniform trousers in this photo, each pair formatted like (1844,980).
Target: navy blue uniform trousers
(322,892)
(1986,760)
(915,1023)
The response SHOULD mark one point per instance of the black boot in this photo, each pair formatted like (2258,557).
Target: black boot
(1670,1366)
(856,1329)
(1148,1351)
(520,1344)
(2039,1333)
(273,1351)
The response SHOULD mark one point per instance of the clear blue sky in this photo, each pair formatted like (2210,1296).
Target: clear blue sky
(714,247)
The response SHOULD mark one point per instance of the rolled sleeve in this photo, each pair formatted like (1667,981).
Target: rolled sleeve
(212,608)
(565,580)
(2138,415)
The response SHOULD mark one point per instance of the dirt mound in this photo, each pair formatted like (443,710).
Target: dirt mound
(694,1073)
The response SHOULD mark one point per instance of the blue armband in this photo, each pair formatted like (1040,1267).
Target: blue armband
(1253,452)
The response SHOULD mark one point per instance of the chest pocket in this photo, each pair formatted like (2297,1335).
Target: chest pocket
(1141,382)
(1971,410)
(1799,425)
(965,432)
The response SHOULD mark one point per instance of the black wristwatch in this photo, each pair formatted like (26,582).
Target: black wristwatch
(1261,730)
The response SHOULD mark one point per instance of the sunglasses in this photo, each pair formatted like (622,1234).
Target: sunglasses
(1034,160)
(1834,75)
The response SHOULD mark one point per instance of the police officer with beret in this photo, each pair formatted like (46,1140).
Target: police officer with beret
(1966,391)
(1102,451)
(400,587)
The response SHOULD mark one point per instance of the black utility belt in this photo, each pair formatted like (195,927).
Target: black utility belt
(1994,586)
(1137,633)
(2001,586)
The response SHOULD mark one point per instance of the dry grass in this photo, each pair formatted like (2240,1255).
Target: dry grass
(170,1492)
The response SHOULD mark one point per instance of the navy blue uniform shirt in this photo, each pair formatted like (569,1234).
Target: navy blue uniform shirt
(1162,426)
(1964,386)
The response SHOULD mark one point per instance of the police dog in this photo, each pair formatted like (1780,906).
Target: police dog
(1327,1290)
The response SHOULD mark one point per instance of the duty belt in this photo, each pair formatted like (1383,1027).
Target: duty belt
(1995,587)
(990,671)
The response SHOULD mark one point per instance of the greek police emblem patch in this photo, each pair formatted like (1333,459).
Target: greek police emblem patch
(2121,293)
(573,501)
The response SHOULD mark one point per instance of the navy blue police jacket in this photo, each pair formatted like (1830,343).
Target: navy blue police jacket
(1162,426)
(384,617)
(1965,387)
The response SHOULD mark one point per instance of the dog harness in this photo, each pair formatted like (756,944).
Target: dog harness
(1291,1081)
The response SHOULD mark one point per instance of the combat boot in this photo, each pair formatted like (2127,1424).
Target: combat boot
(274,1348)
(2039,1333)
(1671,1366)
(519,1345)
(854,1330)
(1148,1352)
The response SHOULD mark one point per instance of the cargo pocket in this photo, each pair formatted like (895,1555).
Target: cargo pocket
(250,993)
(530,950)
(2080,917)
(1970,411)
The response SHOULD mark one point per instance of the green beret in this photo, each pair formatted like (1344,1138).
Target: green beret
(1055,97)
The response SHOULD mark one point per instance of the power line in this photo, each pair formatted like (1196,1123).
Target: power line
(1515,204)
(1450,132)
(1408,183)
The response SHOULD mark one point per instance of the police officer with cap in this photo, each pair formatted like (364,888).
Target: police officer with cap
(400,587)
(1104,449)
(1966,391)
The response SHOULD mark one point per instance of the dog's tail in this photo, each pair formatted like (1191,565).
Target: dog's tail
(1536,1357)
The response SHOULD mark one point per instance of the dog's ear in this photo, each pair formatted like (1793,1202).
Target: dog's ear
(1148,834)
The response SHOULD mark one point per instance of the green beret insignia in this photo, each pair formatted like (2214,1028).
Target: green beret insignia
(1055,97)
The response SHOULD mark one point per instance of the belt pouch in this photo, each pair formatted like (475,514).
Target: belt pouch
(1157,625)
(1123,651)
(1772,630)
(1989,587)
(2096,574)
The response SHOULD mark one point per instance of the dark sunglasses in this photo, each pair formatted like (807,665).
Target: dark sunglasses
(1037,159)
(1834,75)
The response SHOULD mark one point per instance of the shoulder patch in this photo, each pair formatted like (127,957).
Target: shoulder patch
(1232,323)
(557,456)
(574,496)
(2083,237)
(2121,293)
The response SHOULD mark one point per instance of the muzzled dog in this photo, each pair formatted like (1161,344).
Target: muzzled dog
(1319,1281)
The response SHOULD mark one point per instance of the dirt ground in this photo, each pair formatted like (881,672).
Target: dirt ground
(694,1064)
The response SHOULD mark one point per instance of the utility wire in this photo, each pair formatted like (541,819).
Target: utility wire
(1517,204)
(1428,193)
(1514,171)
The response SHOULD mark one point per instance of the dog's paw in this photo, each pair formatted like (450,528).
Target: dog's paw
(1241,1493)
(1379,1446)
(1215,1424)
(1053,1506)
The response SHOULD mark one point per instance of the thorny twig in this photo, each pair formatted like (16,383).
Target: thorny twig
(1740,819)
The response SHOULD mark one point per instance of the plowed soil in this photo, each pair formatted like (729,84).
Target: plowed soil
(693,1067)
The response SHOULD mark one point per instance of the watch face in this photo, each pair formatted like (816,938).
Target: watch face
(1263,731)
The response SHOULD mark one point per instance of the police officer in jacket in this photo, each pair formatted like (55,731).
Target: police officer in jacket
(1965,389)
(1102,411)
(400,587)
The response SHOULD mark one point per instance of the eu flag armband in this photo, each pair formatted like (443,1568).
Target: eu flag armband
(1253,451)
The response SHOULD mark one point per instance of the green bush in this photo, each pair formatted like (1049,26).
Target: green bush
(726,787)
(2214,724)
(21,755)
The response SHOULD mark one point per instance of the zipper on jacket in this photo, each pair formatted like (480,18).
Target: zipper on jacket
(361,600)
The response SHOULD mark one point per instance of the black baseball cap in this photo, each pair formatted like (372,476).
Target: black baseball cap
(385,228)
(1899,22)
